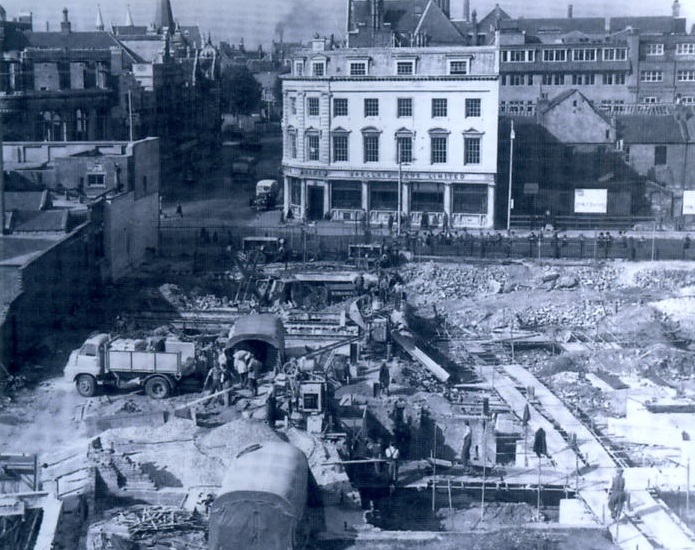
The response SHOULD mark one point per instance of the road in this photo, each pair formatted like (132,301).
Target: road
(218,198)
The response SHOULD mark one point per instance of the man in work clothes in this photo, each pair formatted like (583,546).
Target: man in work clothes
(617,497)
(384,379)
(254,371)
(241,364)
(213,380)
(392,455)
(467,440)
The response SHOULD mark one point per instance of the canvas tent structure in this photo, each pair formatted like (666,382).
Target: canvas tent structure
(263,500)
(263,335)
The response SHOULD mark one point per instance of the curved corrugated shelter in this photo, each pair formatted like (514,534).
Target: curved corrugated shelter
(262,500)
(263,334)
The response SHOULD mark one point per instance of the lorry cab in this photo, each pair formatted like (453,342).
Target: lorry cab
(90,358)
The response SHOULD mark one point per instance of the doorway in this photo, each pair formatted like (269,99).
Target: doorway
(315,203)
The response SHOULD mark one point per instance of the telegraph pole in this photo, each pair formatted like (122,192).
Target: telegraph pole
(512,135)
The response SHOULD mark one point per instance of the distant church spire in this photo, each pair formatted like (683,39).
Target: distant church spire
(100,20)
(164,17)
(129,17)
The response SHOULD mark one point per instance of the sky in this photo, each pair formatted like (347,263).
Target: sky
(258,21)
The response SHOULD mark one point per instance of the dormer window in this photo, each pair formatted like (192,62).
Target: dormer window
(458,66)
(358,68)
(405,68)
(299,68)
(318,68)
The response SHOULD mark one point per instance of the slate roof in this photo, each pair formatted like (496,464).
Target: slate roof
(19,250)
(563,96)
(439,27)
(651,129)
(96,40)
(26,200)
(129,30)
(48,221)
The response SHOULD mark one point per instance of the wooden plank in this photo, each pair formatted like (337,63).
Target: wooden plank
(408,344)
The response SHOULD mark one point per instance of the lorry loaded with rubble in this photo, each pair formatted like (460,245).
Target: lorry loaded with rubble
(157,364)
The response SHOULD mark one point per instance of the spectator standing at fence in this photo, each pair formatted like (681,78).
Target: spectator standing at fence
(445,222)
(609,244)
(531,242)
(581,246)
(389,224)
(631,246)
(424,221)
(686,245)
(179,210)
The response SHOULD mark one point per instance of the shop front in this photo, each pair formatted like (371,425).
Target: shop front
(453,199)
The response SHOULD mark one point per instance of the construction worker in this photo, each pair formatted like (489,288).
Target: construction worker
(384,378)
(254,372)
(213,380)
(392,454)
(617,497)
(241,364)
(466,447)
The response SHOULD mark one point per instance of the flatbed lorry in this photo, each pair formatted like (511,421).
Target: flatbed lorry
(158,365)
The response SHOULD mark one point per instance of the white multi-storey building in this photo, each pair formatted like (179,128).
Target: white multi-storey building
(358,121)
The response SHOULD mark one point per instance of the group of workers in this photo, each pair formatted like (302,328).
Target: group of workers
(246,367)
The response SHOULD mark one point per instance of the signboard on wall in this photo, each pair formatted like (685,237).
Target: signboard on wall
(590,201)
(689,203)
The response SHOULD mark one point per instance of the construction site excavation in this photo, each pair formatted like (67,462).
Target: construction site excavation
(375,403)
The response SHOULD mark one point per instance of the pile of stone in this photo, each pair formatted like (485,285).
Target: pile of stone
(583,314)
(430,283)
(667,279)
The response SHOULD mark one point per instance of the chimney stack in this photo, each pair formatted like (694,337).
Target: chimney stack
(466,10)
(676,8)
(608,24)
(65,23)
(570,11)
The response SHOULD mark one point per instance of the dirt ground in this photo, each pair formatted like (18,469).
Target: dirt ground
(504,539)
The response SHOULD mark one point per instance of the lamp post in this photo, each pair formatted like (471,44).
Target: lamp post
(512,135)
(400,188)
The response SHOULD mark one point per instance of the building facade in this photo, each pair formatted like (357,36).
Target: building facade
(132,82)
(371,132)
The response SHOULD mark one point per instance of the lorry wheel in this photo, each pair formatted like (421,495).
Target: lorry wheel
(157,387)
(86,385)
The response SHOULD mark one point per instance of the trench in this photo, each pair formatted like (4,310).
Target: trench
(414,509)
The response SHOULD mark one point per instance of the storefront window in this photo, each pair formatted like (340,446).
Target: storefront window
(427,197)
(383,195)
(295,191)
(470,199)
(346,194)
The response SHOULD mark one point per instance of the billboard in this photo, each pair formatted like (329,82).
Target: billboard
(590,201)
(689,203)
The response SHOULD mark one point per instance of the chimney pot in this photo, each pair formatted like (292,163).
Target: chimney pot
(676,8)
(570,11)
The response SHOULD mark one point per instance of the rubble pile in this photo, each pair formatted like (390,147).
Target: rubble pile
(581,313)
(576,392)
(666,279)
(430,283)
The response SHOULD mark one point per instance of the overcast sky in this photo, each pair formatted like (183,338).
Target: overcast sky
(257,21)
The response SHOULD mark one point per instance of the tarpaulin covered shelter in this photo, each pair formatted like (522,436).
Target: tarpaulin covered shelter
(261,334)
(263,500)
